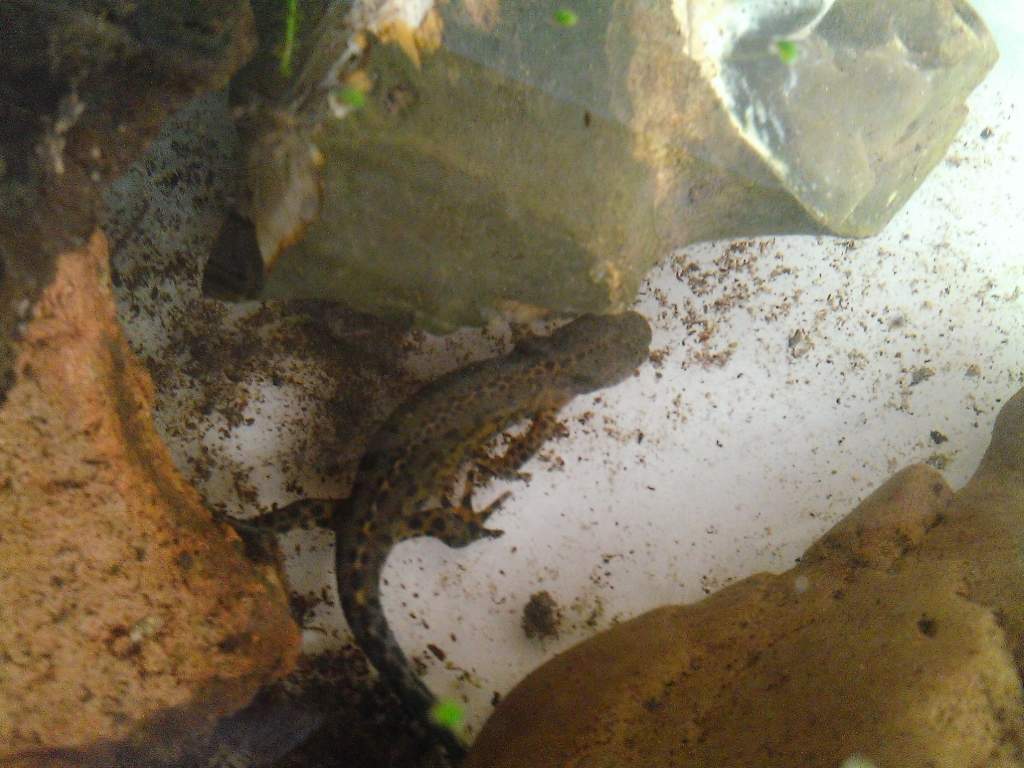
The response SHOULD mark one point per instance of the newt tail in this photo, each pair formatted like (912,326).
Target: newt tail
(361,602)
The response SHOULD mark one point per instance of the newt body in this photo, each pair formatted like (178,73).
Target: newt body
(410,465)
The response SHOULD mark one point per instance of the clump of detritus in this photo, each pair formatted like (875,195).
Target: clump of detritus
(541,616)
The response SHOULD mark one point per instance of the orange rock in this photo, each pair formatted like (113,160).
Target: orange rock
(897,641)
(126,614)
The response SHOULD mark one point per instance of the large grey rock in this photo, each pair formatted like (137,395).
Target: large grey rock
(505,158)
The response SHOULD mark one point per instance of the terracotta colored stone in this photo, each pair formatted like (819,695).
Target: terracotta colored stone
(129,620)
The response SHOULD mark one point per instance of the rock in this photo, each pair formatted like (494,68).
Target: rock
(497,158)
(84,86)
(897,639)
(130,622)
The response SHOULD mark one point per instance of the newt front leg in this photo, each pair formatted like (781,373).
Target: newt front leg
(522,448)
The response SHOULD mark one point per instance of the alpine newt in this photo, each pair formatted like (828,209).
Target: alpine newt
(406,477)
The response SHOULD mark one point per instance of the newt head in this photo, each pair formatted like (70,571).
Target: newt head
(596,351)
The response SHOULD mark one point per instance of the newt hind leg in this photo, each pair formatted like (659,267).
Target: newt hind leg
(304,514)
(459,525)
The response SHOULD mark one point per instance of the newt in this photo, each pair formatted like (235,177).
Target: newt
(406,476)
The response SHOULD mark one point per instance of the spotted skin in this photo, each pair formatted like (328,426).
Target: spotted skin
(405,477)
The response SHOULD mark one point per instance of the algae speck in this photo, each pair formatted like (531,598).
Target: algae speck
(787,51)
(566,17)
